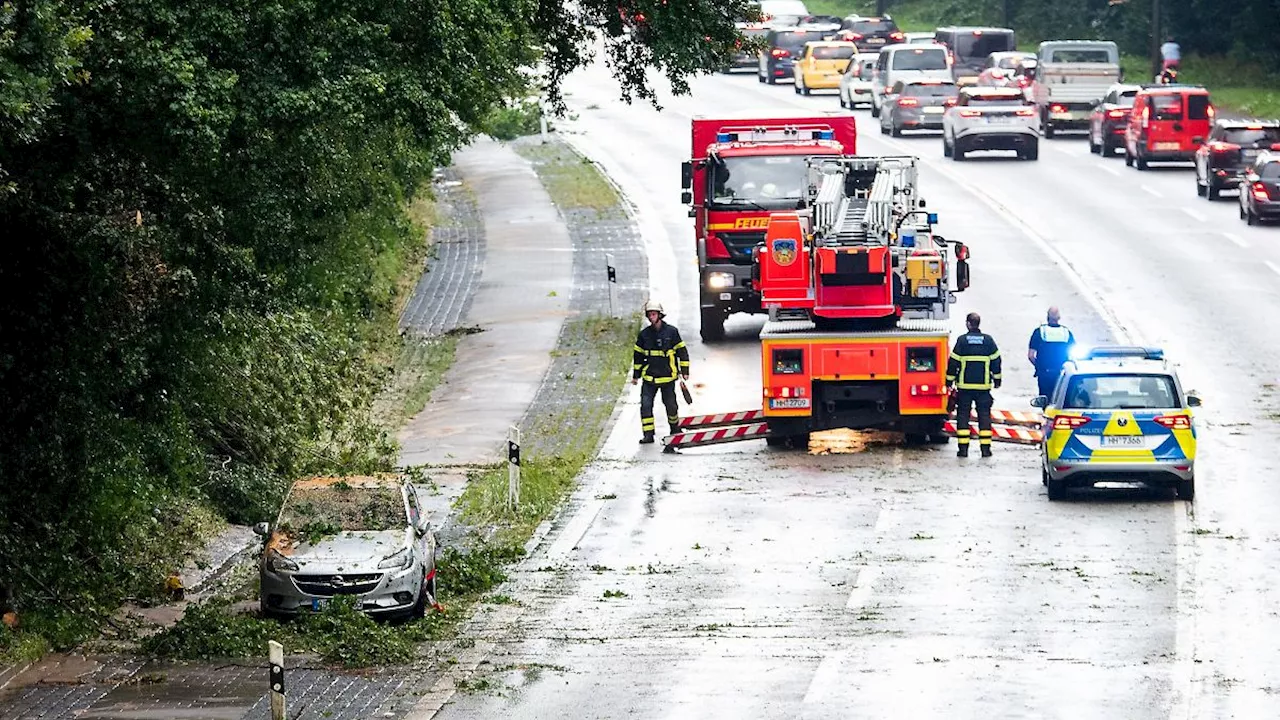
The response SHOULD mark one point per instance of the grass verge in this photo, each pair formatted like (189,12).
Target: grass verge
(571,185)
(418,369)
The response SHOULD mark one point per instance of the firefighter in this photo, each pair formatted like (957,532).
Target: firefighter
(974,368)
(1049,349)
(660,356)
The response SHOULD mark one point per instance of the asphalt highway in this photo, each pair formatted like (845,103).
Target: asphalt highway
(864,579)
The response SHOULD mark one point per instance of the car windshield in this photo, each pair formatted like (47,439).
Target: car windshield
(1011,62)
(979,44)
(796,40)
(352,506)
(920,59)
(1254,137)
(931,90)
(833,52)
(761,181)
(1080,55)
(1121,392)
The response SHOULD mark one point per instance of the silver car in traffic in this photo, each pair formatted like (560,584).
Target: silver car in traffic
(366,537)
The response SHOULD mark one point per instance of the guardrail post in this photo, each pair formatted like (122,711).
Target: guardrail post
(513,468)
(275,654)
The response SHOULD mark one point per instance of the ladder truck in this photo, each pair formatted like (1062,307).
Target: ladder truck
(858,288)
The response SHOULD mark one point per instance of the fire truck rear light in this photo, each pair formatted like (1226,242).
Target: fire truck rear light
(1069,422)
(1174,422)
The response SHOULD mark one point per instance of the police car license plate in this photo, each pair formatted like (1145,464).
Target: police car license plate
(788,403)
(1122,441)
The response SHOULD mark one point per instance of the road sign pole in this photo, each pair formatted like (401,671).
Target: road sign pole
(513,468)
(275,654)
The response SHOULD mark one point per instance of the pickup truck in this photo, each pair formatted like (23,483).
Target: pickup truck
(1071,78)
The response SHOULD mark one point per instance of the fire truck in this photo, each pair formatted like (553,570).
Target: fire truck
(743,168)
(858,288)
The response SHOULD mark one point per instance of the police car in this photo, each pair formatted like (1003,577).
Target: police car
(1119,414)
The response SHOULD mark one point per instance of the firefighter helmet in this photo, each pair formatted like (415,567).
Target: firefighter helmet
(654,306)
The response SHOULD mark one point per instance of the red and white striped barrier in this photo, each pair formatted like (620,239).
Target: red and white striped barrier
(719,419)
(1012,417)
(1000,433)
(717,436)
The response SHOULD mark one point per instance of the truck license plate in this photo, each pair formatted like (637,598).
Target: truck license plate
(788,403)
(1122,441)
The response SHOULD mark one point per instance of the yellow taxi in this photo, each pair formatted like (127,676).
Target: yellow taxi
(821,65)
(1119,414)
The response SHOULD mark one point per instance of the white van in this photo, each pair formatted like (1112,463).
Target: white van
(899,63)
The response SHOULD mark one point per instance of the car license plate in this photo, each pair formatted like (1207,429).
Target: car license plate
(875,41)
(1166,146)
(317,604)
(788,403)
(933,110)
(997,119)
(1122,441)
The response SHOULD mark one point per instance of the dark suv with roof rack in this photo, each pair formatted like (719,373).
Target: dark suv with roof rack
(1231,148)
(870,33)
(782,47)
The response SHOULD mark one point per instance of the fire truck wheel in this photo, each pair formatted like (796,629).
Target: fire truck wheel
(779,441)
(939,438)
(798,442)
(915,438)
(712,325)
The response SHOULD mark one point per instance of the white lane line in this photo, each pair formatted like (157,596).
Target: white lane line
(1274,267)
(1236,239)
(574,531)
(825,676)
(862,589)
(1108,168)
(1185,685)
(1195,215)
(886,519)
(1153,191)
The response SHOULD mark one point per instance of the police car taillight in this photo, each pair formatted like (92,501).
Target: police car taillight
(1069,422)
(1174,422)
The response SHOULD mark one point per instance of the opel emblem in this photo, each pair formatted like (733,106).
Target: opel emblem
(338,581)
(1122,422)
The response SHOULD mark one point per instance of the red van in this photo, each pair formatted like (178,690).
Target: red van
(1168,123)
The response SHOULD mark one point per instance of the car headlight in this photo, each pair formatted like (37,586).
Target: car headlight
(720,280)
(280,563)
(398,560)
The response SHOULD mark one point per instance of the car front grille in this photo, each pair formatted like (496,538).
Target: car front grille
(330,585)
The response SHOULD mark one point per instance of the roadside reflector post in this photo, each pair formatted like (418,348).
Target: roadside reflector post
(275,655)
(612,274)
(513,468)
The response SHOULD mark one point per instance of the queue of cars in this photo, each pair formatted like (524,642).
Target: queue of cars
(974,86)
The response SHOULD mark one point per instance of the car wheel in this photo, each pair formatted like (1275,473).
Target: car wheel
(946,147)
(1212,191)
(1128,159)
(759,78)
(875,109)
(1186,489)
(957,154)
(895,131)
(795,86)
(1240,207)
(1048,130)
(843,104)
(1200,189)
(1141,162)
(779,441)
(712,325)
(1250,218)
(1032,152)
(1107,148)
(1044,475)
(804,89)
(771,80)
(1094,147)
(884,129)
(1057,489)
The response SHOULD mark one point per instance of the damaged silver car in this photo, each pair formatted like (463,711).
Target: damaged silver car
(366,537)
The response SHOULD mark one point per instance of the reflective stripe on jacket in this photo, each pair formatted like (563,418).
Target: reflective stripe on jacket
(975,362)
(660,355)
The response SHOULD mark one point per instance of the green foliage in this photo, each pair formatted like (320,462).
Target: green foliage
(18,647)
(465,572)
(514,120)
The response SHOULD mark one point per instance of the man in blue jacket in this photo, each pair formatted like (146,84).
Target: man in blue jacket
(1049,348)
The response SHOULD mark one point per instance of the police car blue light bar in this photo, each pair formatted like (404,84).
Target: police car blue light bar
(1121,351)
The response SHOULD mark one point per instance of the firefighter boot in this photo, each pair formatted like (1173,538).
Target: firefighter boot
(986,451)
(647,439)
(963,450)
(984,440)
(962,443)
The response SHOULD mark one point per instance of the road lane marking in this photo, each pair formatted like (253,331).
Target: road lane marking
(1195,215)
(1185,684)
(1110,169)
(1274,267)
(1153,191)
(1236,239)
(574,531)
(886,519)
(863,587)
(825,676)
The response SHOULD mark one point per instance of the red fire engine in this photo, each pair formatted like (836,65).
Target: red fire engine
(858,291)
(742,169)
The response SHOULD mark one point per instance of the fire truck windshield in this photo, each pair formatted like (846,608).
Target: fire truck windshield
(766,182)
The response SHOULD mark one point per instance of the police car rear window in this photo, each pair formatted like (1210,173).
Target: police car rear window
(1121,392)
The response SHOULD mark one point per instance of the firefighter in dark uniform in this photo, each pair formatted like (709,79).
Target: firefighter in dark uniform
(974,368)
(660,356)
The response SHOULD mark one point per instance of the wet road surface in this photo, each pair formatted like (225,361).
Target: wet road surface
(883,581)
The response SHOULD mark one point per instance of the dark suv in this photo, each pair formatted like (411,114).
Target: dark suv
(782,45)
(870,34)
(970,46)
(1231,148)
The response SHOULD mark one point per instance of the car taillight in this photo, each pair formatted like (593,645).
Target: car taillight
(1116,113)
(949,102)
(853,36)
(1222,147)
(780,52)
(1174,422)
(1025,112)
(970,113)
(1069,422)
(1260,191)
(1057,108)
(1023,81)
(908,102)
(899,37)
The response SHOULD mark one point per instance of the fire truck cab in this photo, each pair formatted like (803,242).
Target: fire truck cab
(742,169)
